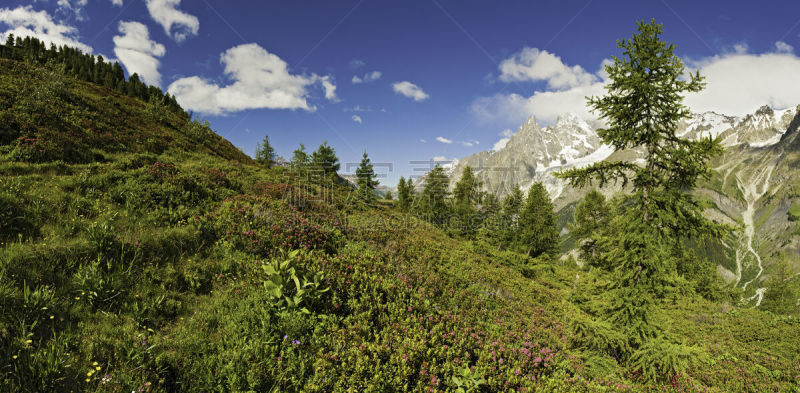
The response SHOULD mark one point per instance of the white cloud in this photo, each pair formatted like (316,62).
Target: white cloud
(444,140)
(357,119)
(176,23)
(468,143)
(506,136)
(368,77)
(138,53)
(423,140)
(440,158)
(356,64)
(71,7)
(259,79)
(532,64)
(782,47)
(410,90)
(24,21)
(358,108)
(739,83)
(117,3)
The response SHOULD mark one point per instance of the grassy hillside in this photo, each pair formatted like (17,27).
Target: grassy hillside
(139,251)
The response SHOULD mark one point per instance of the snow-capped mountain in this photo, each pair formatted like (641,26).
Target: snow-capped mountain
(534,153)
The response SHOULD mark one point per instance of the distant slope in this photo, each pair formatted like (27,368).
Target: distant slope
(754,184)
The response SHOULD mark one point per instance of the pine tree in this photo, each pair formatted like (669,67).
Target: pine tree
(642,110)
(300,158)
(325,160)
(590,219)
(10,39)
(405,193)
(466,195)
(509,218)
(537,233)
(365,178)
(388,196)
(265,154)
(432,201)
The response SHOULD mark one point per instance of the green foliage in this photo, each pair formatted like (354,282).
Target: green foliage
(405,194)
(324,159)
(660,359)
(366,178)
(16,219)
(432,204)
(300,158)
(794,212)
(590,219)
(466,200)
(783,288)
(289,289)
(537,233)
(468,380)
(265,154)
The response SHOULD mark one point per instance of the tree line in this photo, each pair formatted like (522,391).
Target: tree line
(87,67)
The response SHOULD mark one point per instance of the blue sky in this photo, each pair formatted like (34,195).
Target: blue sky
(462,72)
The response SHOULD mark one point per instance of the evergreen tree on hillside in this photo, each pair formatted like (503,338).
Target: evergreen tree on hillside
(432,203)
(300,158)
(537,233)
(642,110)
(590,218)
(265,154)
(405,193)
(508,220)
(365,178)
(325,160)
(388,196)
(466,197)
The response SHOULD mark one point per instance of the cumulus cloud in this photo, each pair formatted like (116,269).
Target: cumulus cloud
(71,7)
(357,119)
(258,79)
(444,140)
(782,47)
(737,83)
(532,64)
(138,53)
(368,77)
(410,90)
(117,3)
(24,21)
(176,23)
(506,136)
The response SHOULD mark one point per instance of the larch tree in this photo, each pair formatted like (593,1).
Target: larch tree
(265,153)
(642,110)
(366,178)
(536,229)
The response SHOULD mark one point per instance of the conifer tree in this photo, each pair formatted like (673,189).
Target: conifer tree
(405,193)
(432,201)
(300,158)
(590,219)
(388,196)
(265,154)
(325,160)
(509,217)
(642,110)
(365,178)
(537,233)
(466,196)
